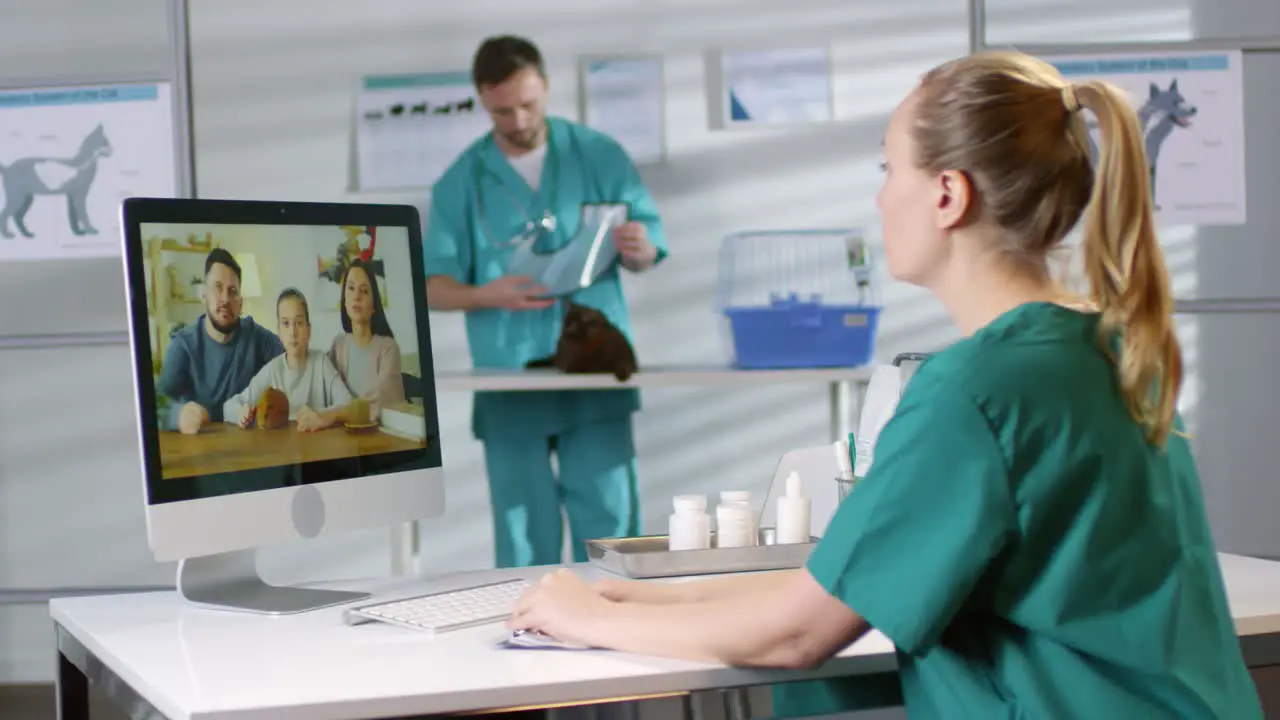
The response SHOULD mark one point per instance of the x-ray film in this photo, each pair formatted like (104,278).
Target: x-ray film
(579,263)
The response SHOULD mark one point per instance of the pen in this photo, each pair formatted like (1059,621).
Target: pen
(853,454)
(845,456)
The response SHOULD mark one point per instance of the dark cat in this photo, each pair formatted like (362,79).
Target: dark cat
(589,343)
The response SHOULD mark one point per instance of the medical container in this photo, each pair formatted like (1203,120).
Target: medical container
(689,527)
(798,298)
(795,512)
(735,525)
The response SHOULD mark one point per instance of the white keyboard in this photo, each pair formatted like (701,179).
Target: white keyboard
(444,611)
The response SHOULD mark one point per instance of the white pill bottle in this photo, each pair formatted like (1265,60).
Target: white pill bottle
(689,527)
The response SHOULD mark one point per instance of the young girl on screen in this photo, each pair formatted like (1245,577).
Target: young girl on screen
(317,394)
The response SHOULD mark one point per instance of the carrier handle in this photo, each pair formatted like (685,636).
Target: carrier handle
(909,357)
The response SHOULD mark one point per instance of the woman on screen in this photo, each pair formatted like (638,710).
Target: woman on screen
(316,392)
(365,352)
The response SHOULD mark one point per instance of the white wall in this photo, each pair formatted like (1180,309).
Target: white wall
(273,89)
(1079,21)
(1235,437)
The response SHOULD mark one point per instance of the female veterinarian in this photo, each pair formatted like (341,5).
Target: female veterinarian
(535,174)
(1031,536)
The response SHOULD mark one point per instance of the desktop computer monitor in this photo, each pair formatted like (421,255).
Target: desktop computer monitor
(282,363)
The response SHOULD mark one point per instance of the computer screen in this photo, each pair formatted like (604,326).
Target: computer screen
(280,345)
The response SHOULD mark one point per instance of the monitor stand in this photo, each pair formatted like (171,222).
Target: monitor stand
(230,581)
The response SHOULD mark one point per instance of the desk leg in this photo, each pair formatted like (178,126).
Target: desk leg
(737,705)
(695,705)
(1267,682)
(78,669)
(73,691)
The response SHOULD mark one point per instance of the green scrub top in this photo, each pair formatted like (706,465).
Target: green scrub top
(582,166)
(1027,551)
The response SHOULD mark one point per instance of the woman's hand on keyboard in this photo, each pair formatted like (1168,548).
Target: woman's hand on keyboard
(562,606)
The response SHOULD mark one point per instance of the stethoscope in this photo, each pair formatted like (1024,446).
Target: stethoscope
(533,228)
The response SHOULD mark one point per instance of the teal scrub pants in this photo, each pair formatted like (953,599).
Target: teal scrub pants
(596,487)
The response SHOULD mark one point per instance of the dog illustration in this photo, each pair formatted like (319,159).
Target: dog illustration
(1163,112)
(72,177)
(1160,115)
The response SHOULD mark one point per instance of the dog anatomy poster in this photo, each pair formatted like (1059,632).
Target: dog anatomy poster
(1191,107)
(410,128)
(69,155)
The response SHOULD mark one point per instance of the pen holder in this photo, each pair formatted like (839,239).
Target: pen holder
(843,487)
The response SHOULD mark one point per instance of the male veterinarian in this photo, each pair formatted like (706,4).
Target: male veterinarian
(215,357)
(534,173)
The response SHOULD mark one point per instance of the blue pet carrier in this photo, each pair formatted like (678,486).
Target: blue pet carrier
(798,299)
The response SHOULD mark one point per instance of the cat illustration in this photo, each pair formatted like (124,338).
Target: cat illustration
(24,179)
(589,343)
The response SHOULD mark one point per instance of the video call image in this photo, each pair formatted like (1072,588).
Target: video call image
(274,345)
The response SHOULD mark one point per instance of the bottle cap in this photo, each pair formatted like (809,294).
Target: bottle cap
(731,496)
(794,487)
(690,503)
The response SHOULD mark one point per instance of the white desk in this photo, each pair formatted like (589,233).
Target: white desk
(153,654)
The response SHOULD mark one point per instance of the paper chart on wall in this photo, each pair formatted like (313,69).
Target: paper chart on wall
(622,98)
(777,86)
(1191,107)
(69,155)
(410,128)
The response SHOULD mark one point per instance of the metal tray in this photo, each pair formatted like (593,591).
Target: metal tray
(648,557)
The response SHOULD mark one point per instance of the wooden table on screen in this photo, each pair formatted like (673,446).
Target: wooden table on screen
(222,447)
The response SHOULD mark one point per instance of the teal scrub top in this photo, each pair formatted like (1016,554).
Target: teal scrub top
(1026,550)
(582,166)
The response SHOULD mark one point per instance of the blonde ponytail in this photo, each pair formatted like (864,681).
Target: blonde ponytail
(1128,280)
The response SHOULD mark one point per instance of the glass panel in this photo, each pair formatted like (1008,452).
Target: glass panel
(1076,21)
(1232,419)
(1236,18)
(1241,261)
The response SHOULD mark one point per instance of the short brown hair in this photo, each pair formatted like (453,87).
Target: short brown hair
(1011,124)
(501,56)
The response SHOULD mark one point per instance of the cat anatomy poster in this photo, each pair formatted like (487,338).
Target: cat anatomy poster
(69,155)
